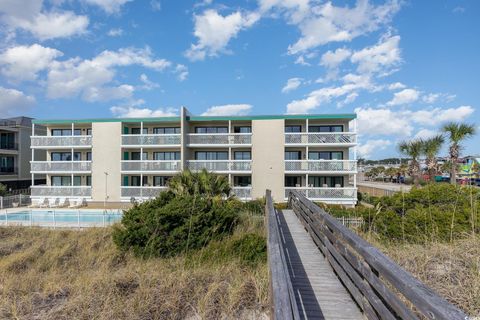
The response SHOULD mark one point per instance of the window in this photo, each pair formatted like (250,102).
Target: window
(293,155)
(66,132)
(211,129)
(174,155)
(334,128)
(89,131)
(137,130)
(293,181)
(66,156)
(242,155)
(324,182)
(211,155)
(136,181)
(136,155)
(242,181)
(7,141)
(167,130)
(242,129)
(89,156)
(7,164)
(58,181)
(160,181)
(89,180)
(325,155)
(293,128)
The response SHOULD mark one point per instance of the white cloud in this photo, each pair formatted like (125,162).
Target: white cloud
(366,149)
(380,58)
(181,71)
(294,10)
(92,79)
(434,97)
(116,32)
(29,16)
(404,97)
(425,134)
(139,112)
(332,59)
(327,23)
(301,61)
(155,5)
(214,32)
(14,102)
(147,84)
(24,62)
(228,110)
(109,6)
(292,84)
(396,86)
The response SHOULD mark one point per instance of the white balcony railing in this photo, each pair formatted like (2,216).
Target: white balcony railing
(347,193)
(151,139)
(220,165)
(150,165)
(141,192)
(243,193)
(345,166)
(61,191)
(60,166)
(219,139)
(329,138)
(61,141)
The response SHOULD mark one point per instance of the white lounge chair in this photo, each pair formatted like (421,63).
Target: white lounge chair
(44,203)
(66,203)
(55,204)
(75,203)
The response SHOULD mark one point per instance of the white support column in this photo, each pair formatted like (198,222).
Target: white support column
(141,127)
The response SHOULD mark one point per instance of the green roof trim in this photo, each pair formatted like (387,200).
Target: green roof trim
(347,116)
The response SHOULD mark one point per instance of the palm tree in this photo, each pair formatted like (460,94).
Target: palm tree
(456,132)
(202,183)
(430,148)
(412,149)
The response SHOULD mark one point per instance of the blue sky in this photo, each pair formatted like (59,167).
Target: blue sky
(405,67)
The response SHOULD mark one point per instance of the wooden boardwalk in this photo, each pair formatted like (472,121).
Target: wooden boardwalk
(318,291)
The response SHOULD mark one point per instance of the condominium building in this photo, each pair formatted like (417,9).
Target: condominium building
(115,160)
(15,152)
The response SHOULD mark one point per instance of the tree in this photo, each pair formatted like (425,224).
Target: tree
(456,132)
(413,149)
(430,148)
(202,183)
(3,190)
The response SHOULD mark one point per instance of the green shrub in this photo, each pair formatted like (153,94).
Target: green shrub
(170,224)
(281,205)
(3,190)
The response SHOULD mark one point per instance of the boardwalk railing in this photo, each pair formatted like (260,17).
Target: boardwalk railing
(282,296)
(378,285)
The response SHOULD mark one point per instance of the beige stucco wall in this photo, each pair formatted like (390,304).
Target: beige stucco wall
(268,145)
(106,154)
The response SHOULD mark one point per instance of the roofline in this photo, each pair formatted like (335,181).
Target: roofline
(349,116)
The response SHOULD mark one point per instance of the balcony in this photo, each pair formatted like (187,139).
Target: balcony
(137,166)
(321,166)
(243,193)
(219,139)
(46,142)
(224,166)
(61,166)
(61,191)
(151,140)
(321,138)
(325,194)
(141,192)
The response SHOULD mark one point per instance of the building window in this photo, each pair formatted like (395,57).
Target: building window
(7,164)
(325,182)
(166,130)
(66,156)
(135,181)
(293,128)
(242,155)
(89,156)
(89,131)
(136,155)
(335,128)
(211,155)
(89,180)
(293,181)
(174,155)
(137,130)
(242,181)
(293,155)
(325,155)
(211,129)
(66,132)
(160,181)
(242,129)
(7,140)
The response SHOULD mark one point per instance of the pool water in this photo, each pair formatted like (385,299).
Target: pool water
(64,217)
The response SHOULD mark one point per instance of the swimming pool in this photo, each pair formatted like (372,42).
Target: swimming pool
(61,218)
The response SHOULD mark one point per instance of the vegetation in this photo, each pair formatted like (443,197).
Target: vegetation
(430,148)
(413,149)
(3,190)
(202,183)
(456,132)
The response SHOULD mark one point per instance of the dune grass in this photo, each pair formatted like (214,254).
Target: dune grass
(68,274)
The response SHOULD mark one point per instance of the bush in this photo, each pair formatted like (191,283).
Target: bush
(3,190)
(170,224)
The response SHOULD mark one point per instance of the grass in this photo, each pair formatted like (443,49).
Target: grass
(52,274)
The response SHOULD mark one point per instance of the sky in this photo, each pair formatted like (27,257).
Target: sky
(404,67)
